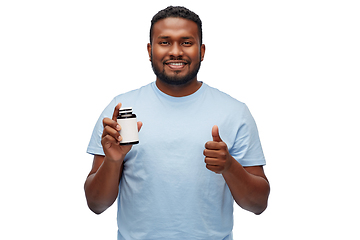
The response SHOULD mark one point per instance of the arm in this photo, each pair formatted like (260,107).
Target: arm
(102,184)
(249,186)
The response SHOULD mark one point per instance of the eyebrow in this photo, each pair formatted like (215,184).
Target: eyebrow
(187,38)
(167,37)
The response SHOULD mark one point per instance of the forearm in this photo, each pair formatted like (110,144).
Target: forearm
(249,191)
(101,187)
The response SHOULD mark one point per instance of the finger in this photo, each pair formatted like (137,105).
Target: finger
(215,134)
(210,153)
(108,140)
(211,145)
(111,123)
(116,112)
(109,131)
(216,169)
(212,161)
(139,125)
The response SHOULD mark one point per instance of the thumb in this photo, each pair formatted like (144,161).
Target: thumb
(139,125)
(215,134)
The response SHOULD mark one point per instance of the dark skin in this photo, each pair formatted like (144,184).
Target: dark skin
(174,38)
(101,186)
(248,185)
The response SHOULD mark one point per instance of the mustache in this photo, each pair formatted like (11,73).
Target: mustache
(176,59)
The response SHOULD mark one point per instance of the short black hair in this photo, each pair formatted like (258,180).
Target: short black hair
(180,12)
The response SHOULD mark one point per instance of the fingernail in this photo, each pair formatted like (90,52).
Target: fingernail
(118,127)
(119,138)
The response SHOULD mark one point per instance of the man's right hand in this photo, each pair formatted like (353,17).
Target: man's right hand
(110,139)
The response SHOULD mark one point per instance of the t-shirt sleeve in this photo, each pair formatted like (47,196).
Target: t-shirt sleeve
(247,147)
(95,147)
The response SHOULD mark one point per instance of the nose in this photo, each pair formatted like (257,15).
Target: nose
(176,50)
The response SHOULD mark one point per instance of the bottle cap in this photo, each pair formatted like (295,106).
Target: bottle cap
(125,110)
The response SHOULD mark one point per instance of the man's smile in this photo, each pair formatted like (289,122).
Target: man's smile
(175,51)
(176,65)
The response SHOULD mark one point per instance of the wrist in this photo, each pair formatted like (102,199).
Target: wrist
(232,167)
(112,161)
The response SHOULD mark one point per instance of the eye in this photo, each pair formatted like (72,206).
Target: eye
(187,44)
(164,43)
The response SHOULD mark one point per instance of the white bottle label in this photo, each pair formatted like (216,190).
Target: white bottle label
(129,130)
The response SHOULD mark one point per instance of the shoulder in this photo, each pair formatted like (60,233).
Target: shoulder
(223,100)
(136,93)
(127,99)
(222,95)
(233,110)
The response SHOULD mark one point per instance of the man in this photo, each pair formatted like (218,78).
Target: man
(180,181)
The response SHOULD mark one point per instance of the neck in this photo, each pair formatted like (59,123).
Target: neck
(179,90)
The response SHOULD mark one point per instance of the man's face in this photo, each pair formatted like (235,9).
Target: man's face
(176,52)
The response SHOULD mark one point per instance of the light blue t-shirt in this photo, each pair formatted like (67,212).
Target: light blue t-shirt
(166,192)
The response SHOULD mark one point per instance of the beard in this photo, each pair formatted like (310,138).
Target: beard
(175,79)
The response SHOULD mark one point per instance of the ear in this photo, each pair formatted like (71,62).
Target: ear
(202,51)
(149,50)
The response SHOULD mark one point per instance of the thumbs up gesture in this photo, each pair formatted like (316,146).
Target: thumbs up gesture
(217,156)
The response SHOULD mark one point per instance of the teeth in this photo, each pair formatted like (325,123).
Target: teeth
(176,64)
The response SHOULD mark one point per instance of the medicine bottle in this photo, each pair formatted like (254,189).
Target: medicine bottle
(129,130)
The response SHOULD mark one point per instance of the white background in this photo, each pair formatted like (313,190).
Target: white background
(294,63)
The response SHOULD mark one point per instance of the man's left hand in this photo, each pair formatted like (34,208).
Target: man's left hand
(217,156)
